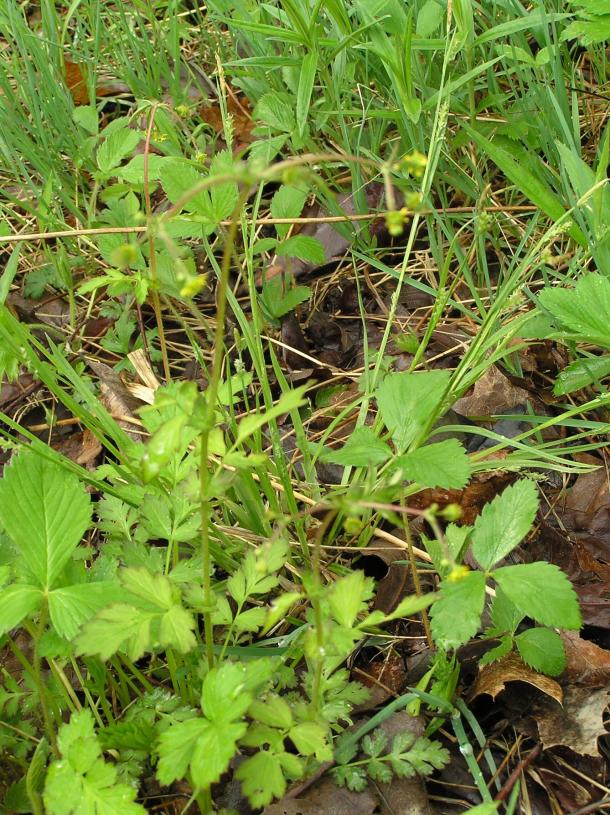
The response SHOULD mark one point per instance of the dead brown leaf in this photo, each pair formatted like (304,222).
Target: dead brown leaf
(75,75)
(492,678)
(578,723)
(588,664)
(117,399)
(82,447)
(385,678)
(493,393)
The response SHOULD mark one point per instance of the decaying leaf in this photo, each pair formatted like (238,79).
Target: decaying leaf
(329,235)
(117,399)
(492,678)
(493,393)
(75,74)
(578,723)
(588,664)
(385,678)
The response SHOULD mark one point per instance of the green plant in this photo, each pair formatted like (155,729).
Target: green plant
(540,590)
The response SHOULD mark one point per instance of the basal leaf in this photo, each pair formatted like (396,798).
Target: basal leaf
(444,464)
(406,401)
(504,522)
(542,649)
(261,778)
(45,511)
(541,591)
(348,597)
(71,606)
(456,616)
(581,373)
(583,310)
(16,603)
(362,449)
(303,247)
(204,747)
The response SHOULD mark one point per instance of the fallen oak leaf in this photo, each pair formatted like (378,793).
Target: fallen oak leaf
(577,724)
(588,664)
(492,679)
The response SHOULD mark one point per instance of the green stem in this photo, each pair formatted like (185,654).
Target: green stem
(317,610)
(210,409)
(47,717)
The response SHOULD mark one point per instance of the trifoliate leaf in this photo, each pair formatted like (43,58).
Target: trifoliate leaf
(204,747)
(82,783)
(504,522)
(444,464)
(261,778)
(309,738)
(348,597)
(16,603)
(456,617)
(363,449)
(45,511)
(582,310)
(542,649)
(406,401)
(541,591)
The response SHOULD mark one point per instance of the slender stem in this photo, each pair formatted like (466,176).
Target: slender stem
(49,724)
(210,409)
(416,582)
(317,610)
(152,255)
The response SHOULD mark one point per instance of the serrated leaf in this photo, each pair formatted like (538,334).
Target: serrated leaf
(504,614)
(16,603)
(504,522)
(501,650)
(178,177)
(581,373)
(223,697)
(272,710)
(456,616)
(118,627)
(583,309)
(261,778)
(82,783)
(542,649)
(541,591)
(45,511)
(115,148)
(348,596)
(287,202)
(177,629)
(309,738)
(406,401)
(275,111)
(362,449)
(444,464)
(71,606)
(133,172)
(204,747)
(303,247)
